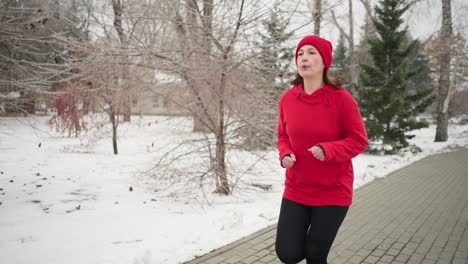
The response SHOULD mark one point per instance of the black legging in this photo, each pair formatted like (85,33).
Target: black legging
(307,231)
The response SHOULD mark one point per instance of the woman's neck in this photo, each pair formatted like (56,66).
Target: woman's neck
(312,85)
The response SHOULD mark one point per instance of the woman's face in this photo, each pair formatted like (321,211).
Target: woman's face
(309,62)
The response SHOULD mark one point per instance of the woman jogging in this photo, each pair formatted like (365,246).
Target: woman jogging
(320,130)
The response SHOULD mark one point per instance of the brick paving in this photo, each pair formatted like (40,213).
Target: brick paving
(417,214)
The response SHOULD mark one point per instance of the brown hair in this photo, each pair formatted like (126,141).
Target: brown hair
(336,82)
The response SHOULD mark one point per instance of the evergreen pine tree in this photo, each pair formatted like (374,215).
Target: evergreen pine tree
(389,101)
(341,61)
(423,80)
(273,74)
(274,65)
(362,50)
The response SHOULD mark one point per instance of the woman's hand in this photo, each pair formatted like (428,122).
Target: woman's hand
(288,161)
(318,153)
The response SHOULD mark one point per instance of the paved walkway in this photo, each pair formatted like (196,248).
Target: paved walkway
(418,214)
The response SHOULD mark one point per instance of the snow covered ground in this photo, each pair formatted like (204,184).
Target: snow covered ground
(70,200)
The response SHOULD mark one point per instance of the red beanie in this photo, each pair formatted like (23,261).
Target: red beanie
(323,46)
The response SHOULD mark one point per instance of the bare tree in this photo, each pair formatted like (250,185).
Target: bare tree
(118,8)
(213,52)
(368,7)
(444,80)
(316,16)
(458,69)
(32,51)
(195,33)
(207,45)
(109,62)
(206,74)
(352,68)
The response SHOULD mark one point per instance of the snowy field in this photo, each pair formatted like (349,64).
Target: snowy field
(70,200)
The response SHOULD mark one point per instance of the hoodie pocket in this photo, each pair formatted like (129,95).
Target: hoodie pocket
(310,171)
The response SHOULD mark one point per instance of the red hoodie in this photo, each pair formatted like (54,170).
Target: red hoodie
(328,117)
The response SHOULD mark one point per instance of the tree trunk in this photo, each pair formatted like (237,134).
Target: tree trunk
(368,7)
(193,38)
(127,108)
(118,8)
(444,79)
(76,118)
(220,165)
(114,121)
(208,24)
(317,15)
(200,119)
(352,58)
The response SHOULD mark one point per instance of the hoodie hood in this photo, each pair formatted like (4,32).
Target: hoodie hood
(319,96)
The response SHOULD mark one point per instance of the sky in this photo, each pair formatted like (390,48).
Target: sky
(423,19)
